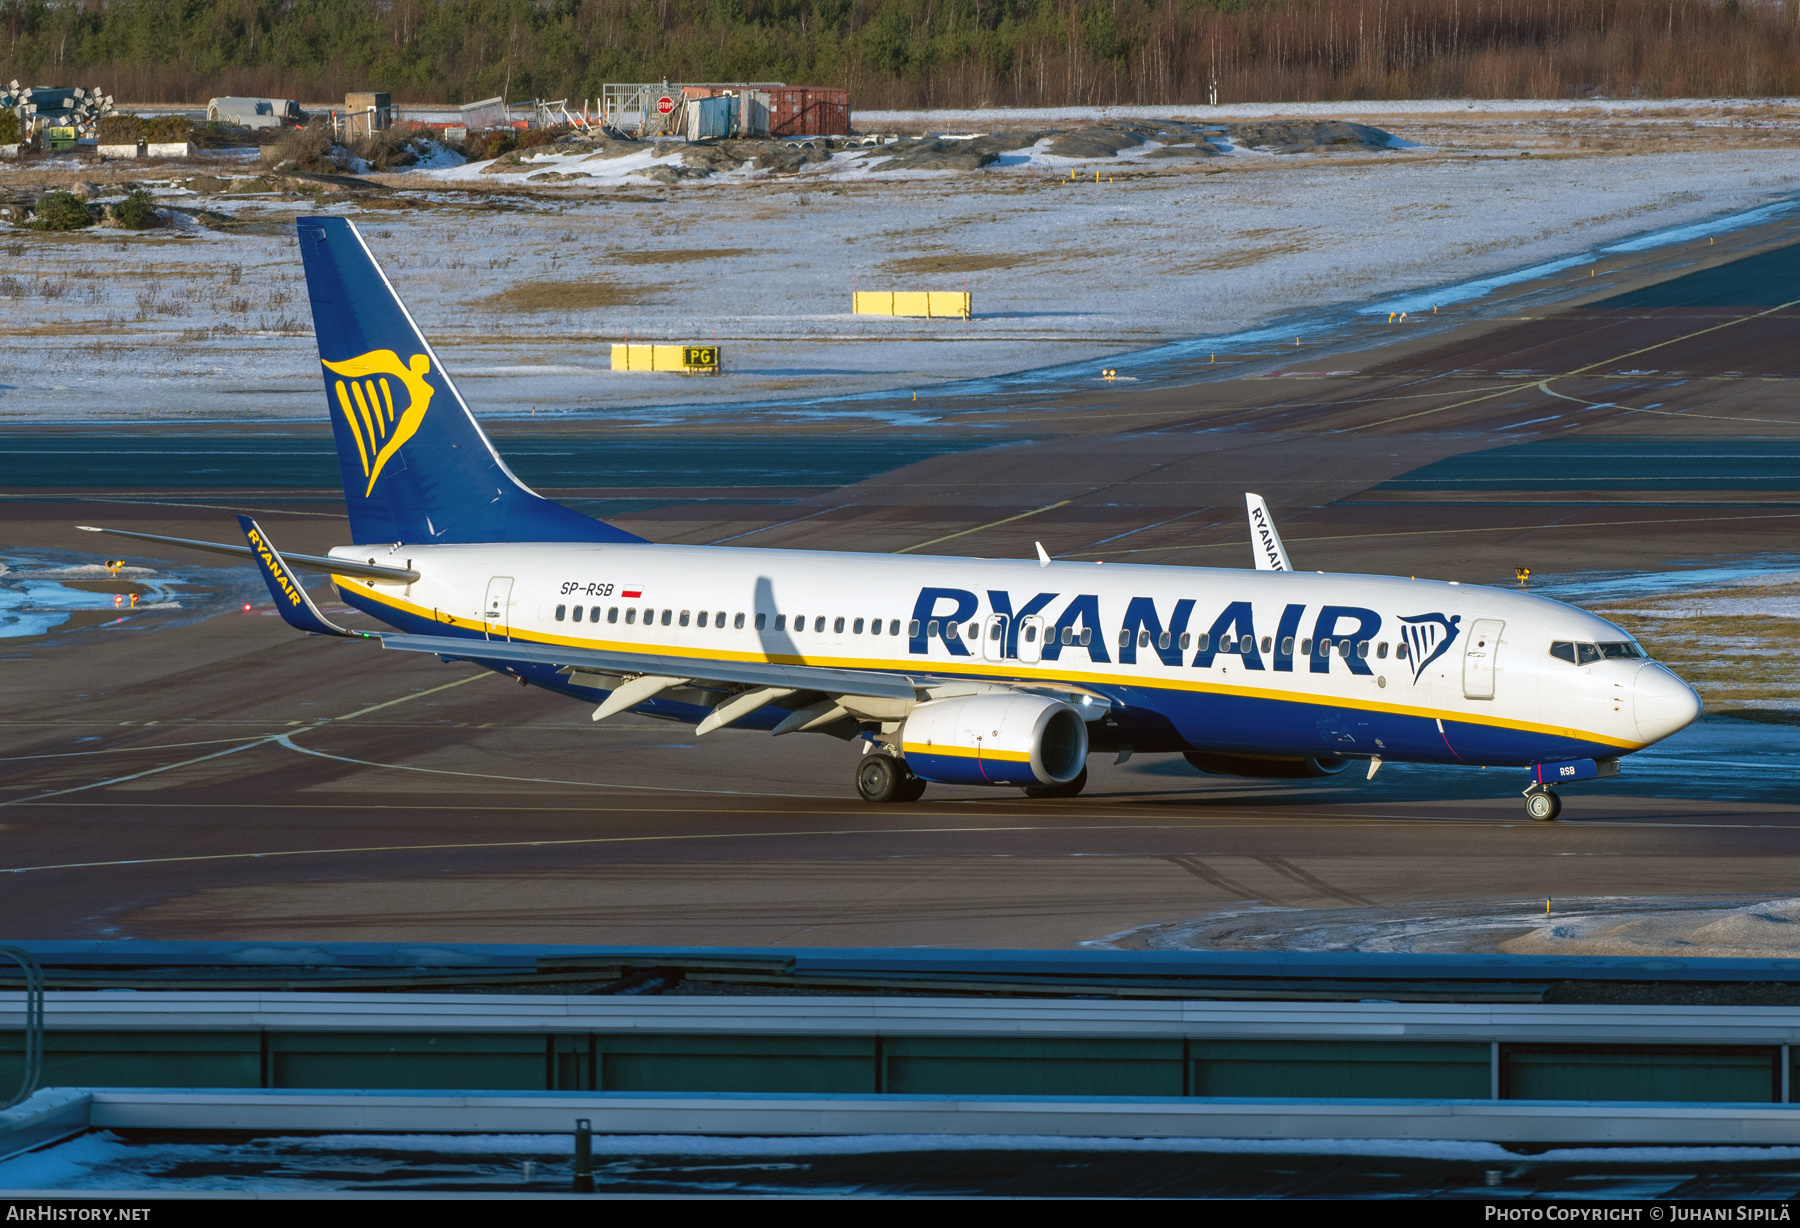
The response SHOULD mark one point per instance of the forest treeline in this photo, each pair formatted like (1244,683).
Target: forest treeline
(913,53)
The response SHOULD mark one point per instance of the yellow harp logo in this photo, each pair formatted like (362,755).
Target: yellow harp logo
(366,396)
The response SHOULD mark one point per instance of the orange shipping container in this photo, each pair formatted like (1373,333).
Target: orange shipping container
(806,110)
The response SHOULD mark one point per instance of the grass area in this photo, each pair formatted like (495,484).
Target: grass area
(1743,664)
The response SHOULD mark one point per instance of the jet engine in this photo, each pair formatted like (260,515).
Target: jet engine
(997,739)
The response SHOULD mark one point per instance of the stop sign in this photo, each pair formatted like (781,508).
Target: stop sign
(665,105)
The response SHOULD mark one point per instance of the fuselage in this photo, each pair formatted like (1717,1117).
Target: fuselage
(1183,659)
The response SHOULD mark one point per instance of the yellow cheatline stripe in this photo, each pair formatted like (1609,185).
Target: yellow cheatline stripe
(964,752)
(1017,672)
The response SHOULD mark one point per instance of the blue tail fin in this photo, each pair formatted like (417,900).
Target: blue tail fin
(416,466)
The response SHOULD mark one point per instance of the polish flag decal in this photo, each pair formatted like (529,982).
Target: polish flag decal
(632,592)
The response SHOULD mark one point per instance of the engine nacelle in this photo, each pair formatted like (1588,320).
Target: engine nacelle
(997,739)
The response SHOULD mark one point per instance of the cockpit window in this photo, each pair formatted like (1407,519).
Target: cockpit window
(1587,654)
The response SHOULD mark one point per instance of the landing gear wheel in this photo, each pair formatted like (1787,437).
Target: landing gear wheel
(1543,805)
(883,778)
(1072,789)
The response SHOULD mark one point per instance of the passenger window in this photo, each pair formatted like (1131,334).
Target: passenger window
(1287,646)
(1362,649)
(819,625)
(1143,639)
(1124,637)
(1306,648)
(701,621)
(561,610)
(738,622)
(1162,641)
(1068,635)
(594,614)
(1204,642)
(630,616)
(1402,651)
(1266,642)
(780,622)
(612,614)
(838,626)
(1344,649)
(1186,639)
(719,619)
(1031,633)
(912,628)
(762,620)
(952,630)
(856,627)
(994,632)
(1087,636)
(1587,654)
(1381,651)
(931,629)
(667,615)
(874,626)
(575,614)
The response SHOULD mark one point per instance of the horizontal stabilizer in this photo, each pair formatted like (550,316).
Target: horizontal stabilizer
(310,562)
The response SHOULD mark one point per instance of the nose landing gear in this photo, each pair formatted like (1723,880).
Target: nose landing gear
(1542,804)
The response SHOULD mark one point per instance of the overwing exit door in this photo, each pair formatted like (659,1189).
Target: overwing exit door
(1481,658)
(993,637)
(496,615)
(1031,639)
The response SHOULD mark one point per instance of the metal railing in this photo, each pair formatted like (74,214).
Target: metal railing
(34,1024)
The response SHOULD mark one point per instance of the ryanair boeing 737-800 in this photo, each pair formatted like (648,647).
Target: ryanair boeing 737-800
(963,671)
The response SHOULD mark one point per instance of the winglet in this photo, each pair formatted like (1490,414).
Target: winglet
(1265,542)
(291,602)
(1043,556)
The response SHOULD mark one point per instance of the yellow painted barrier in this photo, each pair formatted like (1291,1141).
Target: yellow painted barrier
(930,304)
(690,359)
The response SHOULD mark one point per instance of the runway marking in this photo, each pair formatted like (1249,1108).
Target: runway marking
(990,525)
(284,740)
(1664,413)
(1179,859)
(232,750)
(1604,362)
(119,750)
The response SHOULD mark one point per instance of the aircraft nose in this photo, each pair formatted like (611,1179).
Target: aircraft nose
(1661,703)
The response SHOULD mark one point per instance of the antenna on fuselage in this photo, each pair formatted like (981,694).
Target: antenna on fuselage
(1043,555)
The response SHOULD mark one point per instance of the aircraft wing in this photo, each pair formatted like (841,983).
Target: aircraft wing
(866,683)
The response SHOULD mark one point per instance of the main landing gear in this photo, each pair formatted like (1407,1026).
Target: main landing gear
(1542,804)
(883,778)
(1070,788)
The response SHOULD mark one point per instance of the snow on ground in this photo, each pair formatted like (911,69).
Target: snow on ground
(524,284)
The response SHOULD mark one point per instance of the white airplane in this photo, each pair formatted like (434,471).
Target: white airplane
(964,671)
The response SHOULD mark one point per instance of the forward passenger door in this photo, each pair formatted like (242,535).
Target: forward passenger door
(1481,658)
